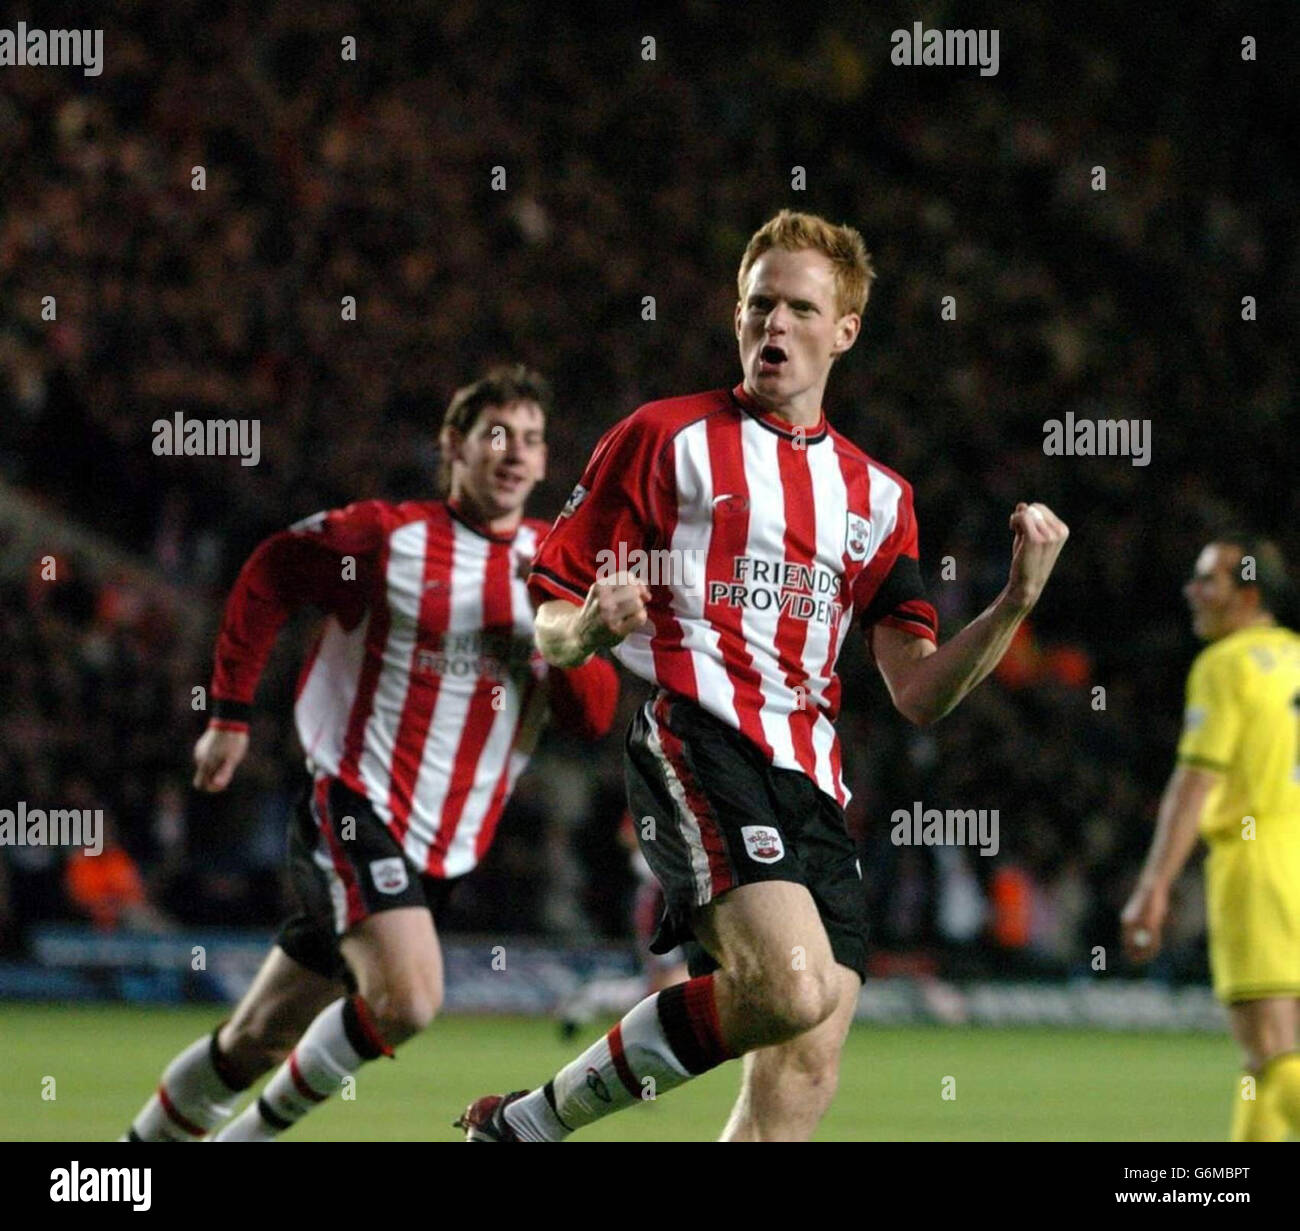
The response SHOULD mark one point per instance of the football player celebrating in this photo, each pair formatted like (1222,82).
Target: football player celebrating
(792,531)
(417,709)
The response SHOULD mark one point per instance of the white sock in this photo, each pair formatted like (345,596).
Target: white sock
(191,1098)
(333,1048)
(664,1041)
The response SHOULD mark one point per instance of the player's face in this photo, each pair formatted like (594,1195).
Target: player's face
(1212,591)
(789,330)
(499,461)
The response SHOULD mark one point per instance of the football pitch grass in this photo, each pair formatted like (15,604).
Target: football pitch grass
(1010,1084)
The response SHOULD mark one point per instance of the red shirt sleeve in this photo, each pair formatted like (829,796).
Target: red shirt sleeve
(617,501)
(583,699)
(327,561)
(889,590)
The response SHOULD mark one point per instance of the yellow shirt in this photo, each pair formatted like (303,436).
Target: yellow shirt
(1243,719)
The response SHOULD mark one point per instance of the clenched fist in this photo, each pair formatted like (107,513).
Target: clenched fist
(1040,535)
(614,607)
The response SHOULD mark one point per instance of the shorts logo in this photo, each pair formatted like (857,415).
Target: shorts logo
(389,875)
(857,536)
(578,495)
(763,845)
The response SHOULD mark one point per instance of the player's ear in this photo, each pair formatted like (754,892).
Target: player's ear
(450,441)
(541,465)
(847,329)
(740,308)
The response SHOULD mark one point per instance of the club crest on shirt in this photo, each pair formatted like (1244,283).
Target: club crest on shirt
(576,497)
(857,536)
(762,844)
(389,874)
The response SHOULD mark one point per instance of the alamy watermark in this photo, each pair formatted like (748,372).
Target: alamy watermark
(82,827)
(1073,437)
(182,437)
(681,568)
(23,48)
(951,827)
(946,47)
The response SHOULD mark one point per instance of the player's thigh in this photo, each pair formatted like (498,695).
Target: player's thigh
(279,1005)
(1264,1028)
(766,934)
(397,961)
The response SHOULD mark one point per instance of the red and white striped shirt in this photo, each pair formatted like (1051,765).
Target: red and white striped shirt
(778,536)
(423,692)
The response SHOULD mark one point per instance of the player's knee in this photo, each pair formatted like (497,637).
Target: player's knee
(401,1012)
(801,1000)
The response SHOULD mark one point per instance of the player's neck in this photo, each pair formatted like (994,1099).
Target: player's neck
(802,411)
(1261,619)
(472,513)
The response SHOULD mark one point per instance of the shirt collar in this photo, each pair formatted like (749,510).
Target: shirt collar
(779,423)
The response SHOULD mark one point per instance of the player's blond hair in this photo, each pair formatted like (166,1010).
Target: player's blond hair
(841,245)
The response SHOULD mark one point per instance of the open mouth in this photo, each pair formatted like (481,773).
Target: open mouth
(772,356)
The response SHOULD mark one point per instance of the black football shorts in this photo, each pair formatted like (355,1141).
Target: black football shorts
(723,816)
(344,866)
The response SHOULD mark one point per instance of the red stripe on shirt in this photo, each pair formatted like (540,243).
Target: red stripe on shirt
(372,664)
(489,827)
(673,668)
(422,686)
(729,539)
(800,547)
(498,621)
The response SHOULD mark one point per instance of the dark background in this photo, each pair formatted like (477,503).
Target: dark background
(627,178)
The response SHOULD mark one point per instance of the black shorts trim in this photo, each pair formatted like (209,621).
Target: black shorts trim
(722,816)
(345,866)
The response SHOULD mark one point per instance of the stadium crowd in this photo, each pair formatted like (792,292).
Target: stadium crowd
(627,177)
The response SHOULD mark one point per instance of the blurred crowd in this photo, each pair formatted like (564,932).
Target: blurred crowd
(499,182)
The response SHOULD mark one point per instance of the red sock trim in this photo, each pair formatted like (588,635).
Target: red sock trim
(615,1040)
(702,1008)
(194,1130)
(368,1027)
(300,1082)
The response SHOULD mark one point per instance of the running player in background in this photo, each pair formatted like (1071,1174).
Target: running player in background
(613,995)
(1237,782)
(417,708)
(775,531)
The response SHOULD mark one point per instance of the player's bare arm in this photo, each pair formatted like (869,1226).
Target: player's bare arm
(926,682)
(568,635)
(217,755)
(1143,918)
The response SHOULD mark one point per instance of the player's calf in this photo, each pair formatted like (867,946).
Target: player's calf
(343,1037)
(199,1088)
(395,960)
(197,1092)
